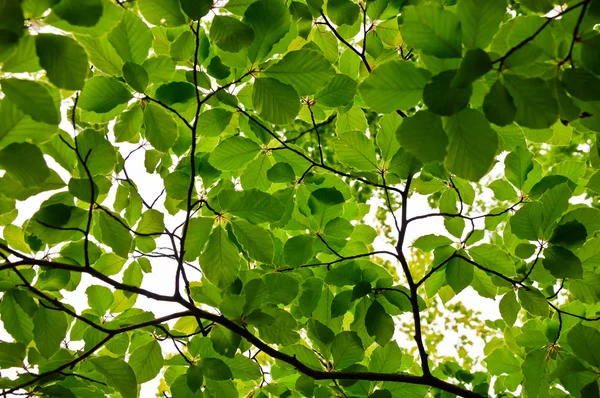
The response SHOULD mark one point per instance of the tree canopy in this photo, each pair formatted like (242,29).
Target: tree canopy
(286,141)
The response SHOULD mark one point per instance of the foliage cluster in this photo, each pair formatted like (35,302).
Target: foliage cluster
(271,125)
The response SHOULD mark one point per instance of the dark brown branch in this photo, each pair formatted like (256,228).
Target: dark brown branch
(330,263)
(321,124)
(536,33)
(411,284)
(111,215)
(350,46)
(312,117)
(60,228)
(537,257)
(427,379)
(569,56)
(83,378)
(316,164)
(331,249)
(562,284)
(583,318)
(453,215)
(99,345)
(491,271)
(174,111)
(223,87)
(434,269)
(389,204)
(86,237)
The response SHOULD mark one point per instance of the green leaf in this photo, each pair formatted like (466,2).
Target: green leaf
(475,64)
(581,84)
(64,60)
(562,263)
(526,223)
(197,235)
(536,105)
(394,85)
(162,12)
(480,21)
(220,259)
(473,144)
(342,303)
(136,76)
(152,222)
(131,38)
(281,172)
(109,264)
(339,91)
(517,166)
(50,329)
(233,153)
(422,135)
(533,301)
(311,294)
(101,94)
(100,298)
(494,258)
(282,288)
(252,205)
(175,93)
(498,105)
(12,355)
(509,308)
(15,320)
(443,97)
(115,235)
(297,250)
(356,150)
(429,242)
(146,361)
(25,163)
(274,101)
(215,369)
(432,29)
(161,129)
(342,12)
(305,70)
(347,349)
(403,164)
(213,122)
(589,53)
(100,154)
(459,274)
(379,323)
(79,12)
(502,361)
(118,374)
(101,54)
(386,359)
(194,377)
(230,34)
(270,20)
(129,123)
(583,340)
(196,9)
(254,239)
(177,185)
(33,98)
(225,341)
(533,368)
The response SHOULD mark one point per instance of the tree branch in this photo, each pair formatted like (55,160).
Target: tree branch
(323,166)
(536,33)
